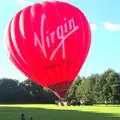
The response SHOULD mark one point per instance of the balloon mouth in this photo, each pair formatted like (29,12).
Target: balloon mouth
(60,89)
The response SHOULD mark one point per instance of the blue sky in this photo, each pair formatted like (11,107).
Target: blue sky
(104,17)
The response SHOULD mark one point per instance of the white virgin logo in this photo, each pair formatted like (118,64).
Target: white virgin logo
(68,28)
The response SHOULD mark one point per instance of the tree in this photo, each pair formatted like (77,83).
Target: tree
(10,91)
(112,86)
(73,88)
(38,93)
(32,88)
(96,88)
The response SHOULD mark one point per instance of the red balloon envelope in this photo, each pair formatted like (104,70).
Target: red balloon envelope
(49,43)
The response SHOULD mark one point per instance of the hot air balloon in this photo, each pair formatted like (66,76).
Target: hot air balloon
(49,43)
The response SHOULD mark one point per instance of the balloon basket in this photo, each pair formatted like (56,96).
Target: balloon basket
(62,102)
(23,117)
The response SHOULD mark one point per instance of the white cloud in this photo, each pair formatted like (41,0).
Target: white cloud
(111,27)
(93,27)
(24,2)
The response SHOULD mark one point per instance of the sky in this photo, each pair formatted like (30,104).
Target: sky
(104,19)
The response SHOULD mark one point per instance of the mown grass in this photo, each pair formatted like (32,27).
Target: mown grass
(53,112)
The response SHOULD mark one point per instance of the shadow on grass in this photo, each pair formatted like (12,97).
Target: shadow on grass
(13,113)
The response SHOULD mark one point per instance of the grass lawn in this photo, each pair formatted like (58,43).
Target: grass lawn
(53,112)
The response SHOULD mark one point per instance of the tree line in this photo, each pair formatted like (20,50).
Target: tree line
(96,88)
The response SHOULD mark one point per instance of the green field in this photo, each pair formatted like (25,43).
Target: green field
(53,112)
